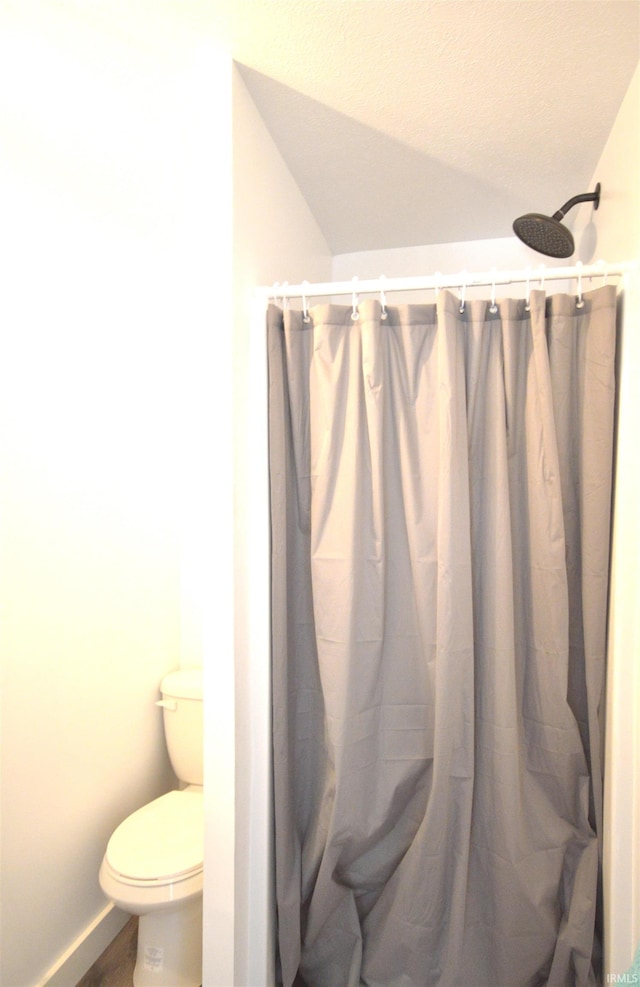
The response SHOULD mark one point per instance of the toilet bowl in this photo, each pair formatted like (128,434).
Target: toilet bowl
(153,863)
(153,868)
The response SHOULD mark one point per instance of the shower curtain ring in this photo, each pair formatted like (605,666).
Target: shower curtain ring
(383,301)
(463,292)
(305,309)
(354,301)
(285,285)
(580,301)
(437,277)
(493,308)
(527,304)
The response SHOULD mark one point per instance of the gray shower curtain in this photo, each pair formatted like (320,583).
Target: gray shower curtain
(441,489)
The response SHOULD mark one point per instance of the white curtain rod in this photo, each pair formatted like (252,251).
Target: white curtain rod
(464,279)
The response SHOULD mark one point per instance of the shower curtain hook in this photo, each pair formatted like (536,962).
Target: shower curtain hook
(527,304)
(383,301)
(305,309)
(542,274)
(463,293)
(354,301)
(285,300)
(493,308)
(580,301)
(437,277)
(276,285)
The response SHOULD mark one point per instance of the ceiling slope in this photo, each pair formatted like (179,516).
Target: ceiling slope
(437,120)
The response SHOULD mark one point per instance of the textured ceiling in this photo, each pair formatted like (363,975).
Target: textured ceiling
(435,120)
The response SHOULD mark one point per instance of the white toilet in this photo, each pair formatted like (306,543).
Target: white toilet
(153,864)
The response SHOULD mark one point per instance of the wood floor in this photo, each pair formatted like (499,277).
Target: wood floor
(115,967)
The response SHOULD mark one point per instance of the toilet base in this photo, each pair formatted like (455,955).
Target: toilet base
(170,947)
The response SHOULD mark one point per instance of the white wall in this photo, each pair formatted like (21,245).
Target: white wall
(275,237)
(115,227)
(618,237)
(445,258)
(118,460)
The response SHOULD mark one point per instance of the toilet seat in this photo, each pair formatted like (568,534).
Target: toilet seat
(161,843)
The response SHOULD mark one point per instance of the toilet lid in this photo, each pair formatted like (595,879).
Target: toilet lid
(162,840)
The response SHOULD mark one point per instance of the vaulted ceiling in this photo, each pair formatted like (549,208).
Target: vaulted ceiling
(433,121)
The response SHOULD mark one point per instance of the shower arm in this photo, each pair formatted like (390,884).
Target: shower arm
(585,197)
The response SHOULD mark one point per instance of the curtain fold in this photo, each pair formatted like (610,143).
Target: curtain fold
(440,490)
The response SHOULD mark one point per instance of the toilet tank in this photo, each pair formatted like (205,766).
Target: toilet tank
(182,711)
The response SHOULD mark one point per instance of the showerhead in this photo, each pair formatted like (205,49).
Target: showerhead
(546,234)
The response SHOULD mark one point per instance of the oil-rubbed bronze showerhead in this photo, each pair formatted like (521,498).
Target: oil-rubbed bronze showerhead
(546,234)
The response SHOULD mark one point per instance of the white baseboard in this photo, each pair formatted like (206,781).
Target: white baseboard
(82,954)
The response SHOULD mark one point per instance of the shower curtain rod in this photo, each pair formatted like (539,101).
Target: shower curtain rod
(463,279)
